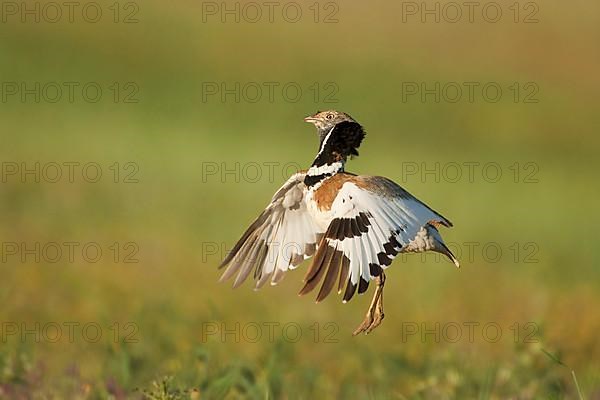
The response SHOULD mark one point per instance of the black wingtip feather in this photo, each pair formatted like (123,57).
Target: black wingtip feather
(350,290)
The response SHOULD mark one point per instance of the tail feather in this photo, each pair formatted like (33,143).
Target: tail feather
(440,247)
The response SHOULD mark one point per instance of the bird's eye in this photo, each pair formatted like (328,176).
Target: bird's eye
(329,116)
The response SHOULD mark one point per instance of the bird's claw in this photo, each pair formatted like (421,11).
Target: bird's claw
(376,322)
(372,320)
(375,313)
(365,325)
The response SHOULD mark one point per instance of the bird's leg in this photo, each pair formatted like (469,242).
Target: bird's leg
(375,313)
(378,318)
(369,316)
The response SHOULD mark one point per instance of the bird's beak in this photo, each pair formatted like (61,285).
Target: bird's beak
(310,119)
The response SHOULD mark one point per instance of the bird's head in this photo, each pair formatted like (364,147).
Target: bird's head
(339,133)
(325,120)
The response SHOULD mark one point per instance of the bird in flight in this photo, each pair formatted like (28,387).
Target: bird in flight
(351,225)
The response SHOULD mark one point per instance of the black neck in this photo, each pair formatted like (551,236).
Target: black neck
(316,174)
(336,145)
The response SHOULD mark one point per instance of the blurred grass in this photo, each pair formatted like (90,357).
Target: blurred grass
(170,133)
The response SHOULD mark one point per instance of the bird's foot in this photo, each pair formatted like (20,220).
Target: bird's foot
(366,324)
(377,320)
(375,313)
(373,318)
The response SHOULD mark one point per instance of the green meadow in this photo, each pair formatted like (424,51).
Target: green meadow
(138,144)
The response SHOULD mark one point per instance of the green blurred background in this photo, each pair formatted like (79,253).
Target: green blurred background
(179,218)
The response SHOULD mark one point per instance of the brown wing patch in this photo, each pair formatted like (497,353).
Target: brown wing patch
(327,192)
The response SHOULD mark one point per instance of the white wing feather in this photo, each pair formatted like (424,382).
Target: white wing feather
(280,238)
(395,222)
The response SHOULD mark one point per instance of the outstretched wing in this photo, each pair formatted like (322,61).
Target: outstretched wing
(279,239)
(374,219)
